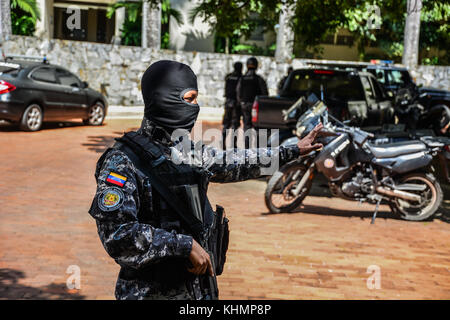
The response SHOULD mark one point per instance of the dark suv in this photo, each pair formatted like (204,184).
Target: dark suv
(395,78)
(32,92)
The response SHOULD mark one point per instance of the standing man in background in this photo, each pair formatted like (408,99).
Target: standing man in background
(283,80)
(249,86)
(232,114)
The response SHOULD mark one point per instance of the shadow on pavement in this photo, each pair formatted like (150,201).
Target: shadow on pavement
(100,143)
(11,289)
(312,209)
(320,189)
(9,127)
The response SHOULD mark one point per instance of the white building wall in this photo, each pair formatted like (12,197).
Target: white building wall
(189,37)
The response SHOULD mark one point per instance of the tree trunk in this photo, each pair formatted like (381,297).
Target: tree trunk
(227,44)
(285,35)
(412,30)
(151,26)
(5,19)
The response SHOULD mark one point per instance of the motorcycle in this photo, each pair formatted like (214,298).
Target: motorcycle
(398,174)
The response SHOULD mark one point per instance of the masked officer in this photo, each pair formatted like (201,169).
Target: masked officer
(151,209)
(232,114)
(249,86)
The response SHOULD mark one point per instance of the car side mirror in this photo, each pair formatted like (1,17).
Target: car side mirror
(85,84)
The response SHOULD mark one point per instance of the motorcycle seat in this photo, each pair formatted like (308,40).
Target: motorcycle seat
(390,150)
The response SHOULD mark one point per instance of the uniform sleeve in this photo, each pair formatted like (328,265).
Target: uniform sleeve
(238,90)
(226,85)
(115,208)
(242,164)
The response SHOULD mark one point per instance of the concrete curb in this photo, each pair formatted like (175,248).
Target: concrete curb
(137,112)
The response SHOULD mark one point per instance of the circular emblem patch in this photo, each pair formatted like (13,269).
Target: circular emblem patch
(328,163)
(110,199)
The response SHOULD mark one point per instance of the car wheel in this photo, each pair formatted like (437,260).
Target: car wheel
(96,115)
(32,118)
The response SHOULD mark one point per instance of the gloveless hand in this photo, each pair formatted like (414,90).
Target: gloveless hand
(306,145)
(200,260)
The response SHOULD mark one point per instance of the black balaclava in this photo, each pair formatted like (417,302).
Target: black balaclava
(252,63)
(237,68)
(163,86)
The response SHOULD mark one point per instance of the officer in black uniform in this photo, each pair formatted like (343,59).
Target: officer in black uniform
(152,212)
(249,86)
(232,114)
(283,80)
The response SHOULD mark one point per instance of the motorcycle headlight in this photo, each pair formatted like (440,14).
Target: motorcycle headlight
(300,130)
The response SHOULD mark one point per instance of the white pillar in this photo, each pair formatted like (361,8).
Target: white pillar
(44,26)
(5,20)
(285,35)
(119,20)
(151,26)
(412,31)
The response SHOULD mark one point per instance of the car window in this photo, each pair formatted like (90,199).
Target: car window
(342,87)
(45,74)
(67,79)
(376,89)
(398,77)
(379,74)
(367,87)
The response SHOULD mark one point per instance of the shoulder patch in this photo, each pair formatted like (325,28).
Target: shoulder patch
(110,199)
(116,179)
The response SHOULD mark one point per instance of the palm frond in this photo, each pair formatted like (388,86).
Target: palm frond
(174,13)
(29,6)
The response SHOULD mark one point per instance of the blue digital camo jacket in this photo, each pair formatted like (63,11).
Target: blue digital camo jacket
(135,245)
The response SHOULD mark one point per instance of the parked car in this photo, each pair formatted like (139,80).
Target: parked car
(33,92)
(349,94)
(394,78)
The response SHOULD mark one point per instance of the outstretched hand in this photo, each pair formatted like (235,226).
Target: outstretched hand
(306,144)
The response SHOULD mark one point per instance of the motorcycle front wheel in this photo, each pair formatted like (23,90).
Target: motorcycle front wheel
(279,195)
(431,198)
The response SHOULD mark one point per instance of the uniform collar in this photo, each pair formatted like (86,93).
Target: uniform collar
(157,133)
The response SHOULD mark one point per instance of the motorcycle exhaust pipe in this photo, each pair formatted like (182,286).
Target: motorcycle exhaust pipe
(399,194)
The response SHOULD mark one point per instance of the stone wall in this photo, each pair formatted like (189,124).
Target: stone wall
(117,70)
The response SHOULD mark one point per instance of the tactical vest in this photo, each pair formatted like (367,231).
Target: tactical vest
(250,87)
(231,82)
(163,182)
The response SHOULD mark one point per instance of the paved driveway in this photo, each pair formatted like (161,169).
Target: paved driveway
(323,251)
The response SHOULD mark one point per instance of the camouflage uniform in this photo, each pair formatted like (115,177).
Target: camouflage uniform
(137,245)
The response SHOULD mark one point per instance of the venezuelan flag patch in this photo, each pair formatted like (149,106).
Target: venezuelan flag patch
(116,179)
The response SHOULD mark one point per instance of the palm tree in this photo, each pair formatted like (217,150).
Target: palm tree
(28,6)
(131,29)
(5,19)
(133,9)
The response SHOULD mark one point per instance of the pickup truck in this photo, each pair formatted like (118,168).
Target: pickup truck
(349,94)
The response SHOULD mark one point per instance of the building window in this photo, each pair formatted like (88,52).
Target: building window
(345,40)
(94,26)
